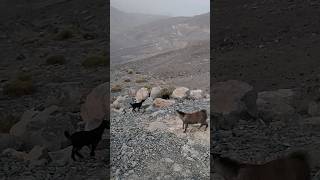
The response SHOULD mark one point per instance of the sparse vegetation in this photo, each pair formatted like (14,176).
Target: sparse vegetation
(94,61)
(24,76)
(141,80)
(64,34)
(6,122)
(116,88)
(167,91)
(19,88)
(148,86)
(127,80)
(56,60)
(130,71)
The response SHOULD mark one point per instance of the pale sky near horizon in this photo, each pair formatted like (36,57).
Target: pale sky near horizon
(163,7)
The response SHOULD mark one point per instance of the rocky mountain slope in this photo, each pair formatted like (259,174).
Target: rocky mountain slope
(121,21)
(273,46)
(158,37)
(150,143)
(53,55)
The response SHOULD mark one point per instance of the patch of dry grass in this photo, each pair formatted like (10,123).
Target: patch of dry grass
(56,60)
(21,85)
(116,88)
(94,61)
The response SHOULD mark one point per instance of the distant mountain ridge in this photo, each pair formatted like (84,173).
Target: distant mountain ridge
(158,36)
(121,21)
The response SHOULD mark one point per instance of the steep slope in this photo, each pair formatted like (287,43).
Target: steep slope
(269,44)
(121,21)
(159,36)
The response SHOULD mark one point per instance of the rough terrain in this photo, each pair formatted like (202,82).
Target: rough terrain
(270,45)
(44,84)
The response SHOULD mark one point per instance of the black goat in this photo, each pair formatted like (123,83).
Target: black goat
(136,105)
(86,138)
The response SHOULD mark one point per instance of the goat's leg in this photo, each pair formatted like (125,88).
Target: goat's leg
(200,126)
(206,127)
(182,125)
(93,148)
(185,130)
(73,153)
(78,153)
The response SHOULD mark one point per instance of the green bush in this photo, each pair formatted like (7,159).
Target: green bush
(130,71)
(94,61)
(167,91)
(56,60)
(148,86)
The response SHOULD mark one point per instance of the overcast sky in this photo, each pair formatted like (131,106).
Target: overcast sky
(164,7)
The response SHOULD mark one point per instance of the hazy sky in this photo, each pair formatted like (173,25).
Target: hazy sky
(164,7)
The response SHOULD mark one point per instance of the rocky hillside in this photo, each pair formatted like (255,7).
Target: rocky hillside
(50,62)
(158,37)
(272,48)
(150,144)
(121,21)
(189,67)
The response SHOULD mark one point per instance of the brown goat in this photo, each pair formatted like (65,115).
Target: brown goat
(293,167)
(193,118)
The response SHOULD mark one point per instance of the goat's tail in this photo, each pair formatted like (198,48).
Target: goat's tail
(67,134)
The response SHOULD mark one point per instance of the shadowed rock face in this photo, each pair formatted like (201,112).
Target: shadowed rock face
(96,106)
(260,43)
(295,166)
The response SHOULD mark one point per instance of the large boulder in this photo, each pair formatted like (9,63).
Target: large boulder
(196,94)
(232,100)
(142,94)
(227,96)
(66,95)
(155,92)
(37,153)
(96,106)
(276,105)
(314,108)
(61,157)
(14,153)
(118,103)
(180,92)
(159,103)
(9,141)
(31,117)
(45,128)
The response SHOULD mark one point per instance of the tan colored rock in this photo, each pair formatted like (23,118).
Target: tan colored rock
(180,92)
(159,103)
(30,116)
(227,95)
(196,94)
(37,153)
(96,106)
(276,105)
(155,92)
(62,156)
(15,153)
(142,94)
